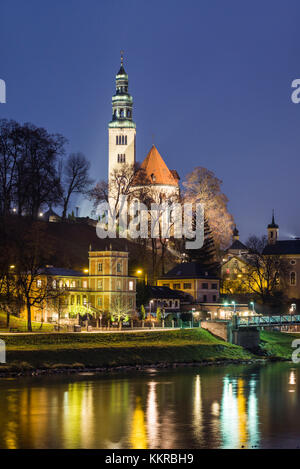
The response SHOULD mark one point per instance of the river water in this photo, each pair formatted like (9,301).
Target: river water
(251,406)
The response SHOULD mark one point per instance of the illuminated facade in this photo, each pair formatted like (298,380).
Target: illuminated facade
(94,291)
(192,278)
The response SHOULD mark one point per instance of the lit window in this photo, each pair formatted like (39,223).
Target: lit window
(84,284)
(293,278)
(67,283)
(85,300)
(99,284)
(73,284)
(39,283)
(99,267)
(118,285)
(131,285)
(54,284)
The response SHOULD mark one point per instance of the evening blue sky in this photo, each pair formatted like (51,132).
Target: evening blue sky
(211,80)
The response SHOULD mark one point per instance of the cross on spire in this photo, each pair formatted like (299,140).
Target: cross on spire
(122,57)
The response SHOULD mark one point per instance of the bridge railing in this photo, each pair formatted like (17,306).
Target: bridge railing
(261,321)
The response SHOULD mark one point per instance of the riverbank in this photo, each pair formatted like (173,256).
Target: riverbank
(50,353)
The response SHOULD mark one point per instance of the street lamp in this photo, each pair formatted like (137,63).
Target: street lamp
(151,302)
(139,273)
(252,304)
(234,310)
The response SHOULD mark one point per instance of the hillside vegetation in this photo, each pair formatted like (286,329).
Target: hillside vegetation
(116,349)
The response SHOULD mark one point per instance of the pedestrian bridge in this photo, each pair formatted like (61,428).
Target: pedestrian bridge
(267,321)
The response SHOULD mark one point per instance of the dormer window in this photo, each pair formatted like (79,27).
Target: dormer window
(153,177)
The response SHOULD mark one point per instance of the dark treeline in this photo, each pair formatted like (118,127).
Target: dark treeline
(35,172)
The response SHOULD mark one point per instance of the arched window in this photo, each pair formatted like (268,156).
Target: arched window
(293,278)
(121,112)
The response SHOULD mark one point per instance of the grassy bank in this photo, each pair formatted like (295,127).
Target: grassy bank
(50,351)
(277,344)
(21,324)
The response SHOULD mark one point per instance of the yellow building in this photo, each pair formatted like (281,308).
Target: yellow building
(104,287)
(198,281)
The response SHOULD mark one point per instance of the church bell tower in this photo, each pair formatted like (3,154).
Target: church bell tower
(273,230)
(121,129)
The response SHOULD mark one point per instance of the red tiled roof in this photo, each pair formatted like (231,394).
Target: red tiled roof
(156,169)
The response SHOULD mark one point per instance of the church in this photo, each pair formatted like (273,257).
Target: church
(122,145)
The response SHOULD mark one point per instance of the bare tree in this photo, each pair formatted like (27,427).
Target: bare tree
(75,178)
(128,180)
(8,150)
(264,275)
(99,193)
(202,186)
(119,309)
(32,251)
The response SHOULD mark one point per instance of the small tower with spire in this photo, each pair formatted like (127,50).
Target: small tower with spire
(236,234)
(121,129)
(273,230)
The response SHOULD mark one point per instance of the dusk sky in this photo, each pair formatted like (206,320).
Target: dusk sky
(211,80)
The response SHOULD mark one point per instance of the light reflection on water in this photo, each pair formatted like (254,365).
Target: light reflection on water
(224,407)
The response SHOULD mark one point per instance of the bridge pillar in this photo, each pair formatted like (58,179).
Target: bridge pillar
(247,337)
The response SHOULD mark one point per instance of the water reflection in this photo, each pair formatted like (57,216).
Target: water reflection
(239,413)
(230,407)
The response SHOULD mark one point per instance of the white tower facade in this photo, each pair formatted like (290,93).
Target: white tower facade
(121,129)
